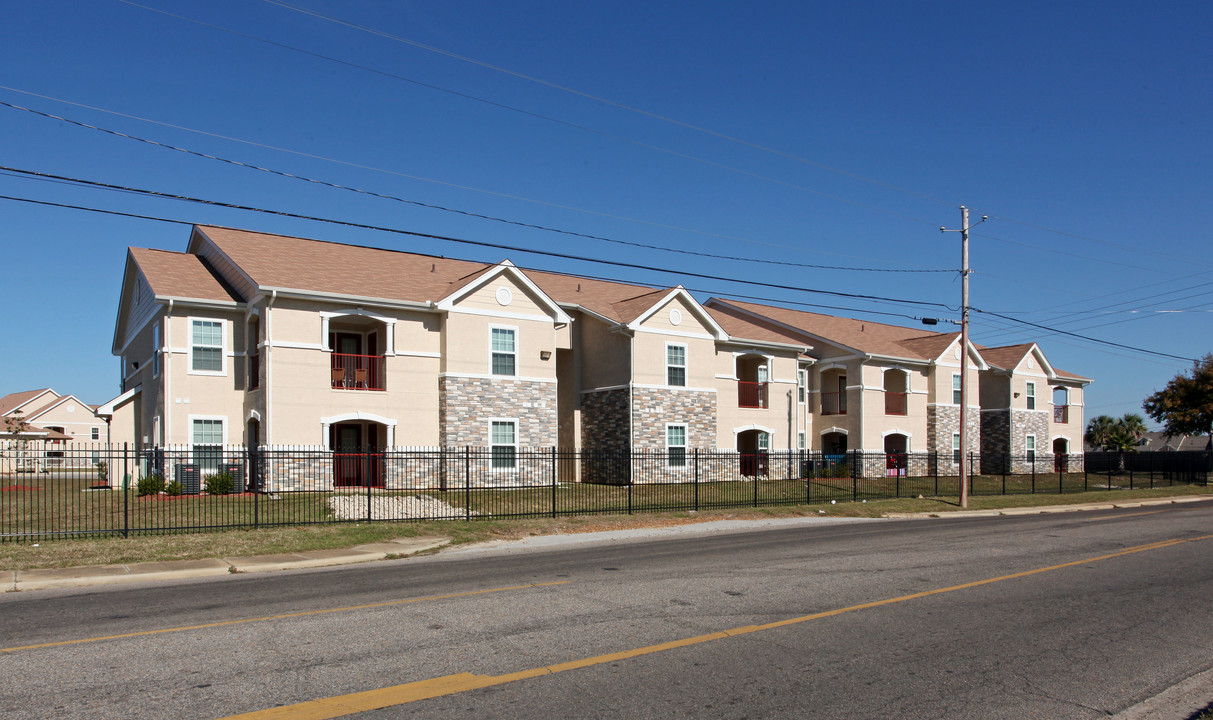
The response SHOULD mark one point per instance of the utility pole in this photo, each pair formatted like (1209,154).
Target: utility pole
(964,349)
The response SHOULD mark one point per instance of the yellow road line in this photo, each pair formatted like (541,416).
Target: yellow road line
(342,705)
(387,603)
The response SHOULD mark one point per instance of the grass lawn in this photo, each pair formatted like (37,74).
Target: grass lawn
(167,545)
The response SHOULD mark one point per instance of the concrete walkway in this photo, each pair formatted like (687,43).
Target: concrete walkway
(1040,509)
(177,569)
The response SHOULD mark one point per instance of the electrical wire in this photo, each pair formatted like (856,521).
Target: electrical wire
(433,206)
(447,238)
(1082,337)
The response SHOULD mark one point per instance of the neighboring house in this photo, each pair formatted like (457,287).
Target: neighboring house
(73,425)
(1156,440)
(255,339)
(1030,411)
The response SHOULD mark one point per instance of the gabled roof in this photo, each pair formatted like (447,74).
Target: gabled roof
(180,275)
(862,336)
(56,403)
(16,400)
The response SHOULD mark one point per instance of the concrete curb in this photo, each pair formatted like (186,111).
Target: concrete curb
(184,569)
(1179,702)
(1044,509)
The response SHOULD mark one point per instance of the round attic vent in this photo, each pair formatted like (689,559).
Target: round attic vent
(675,317)
(504,296)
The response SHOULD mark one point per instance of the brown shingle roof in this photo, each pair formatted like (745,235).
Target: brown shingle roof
(10,402)
(862,335)
(1007,357)
(742,327)
(181,275)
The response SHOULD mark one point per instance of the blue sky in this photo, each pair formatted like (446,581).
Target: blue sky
(841,134)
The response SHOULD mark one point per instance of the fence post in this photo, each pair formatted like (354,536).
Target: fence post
(631,482)
(760,462)
(467,482)
(126,492)
(856,458)
(251,471)
(553,481)
(1129,467)
(696,479)
(1084,471)
(366,479)
(935,462)
(1033,461)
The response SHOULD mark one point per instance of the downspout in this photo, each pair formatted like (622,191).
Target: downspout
(269,369)
(166,398)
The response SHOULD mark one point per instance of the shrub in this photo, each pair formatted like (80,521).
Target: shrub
(173,488)
(150,485)
(220,483)
(102,472)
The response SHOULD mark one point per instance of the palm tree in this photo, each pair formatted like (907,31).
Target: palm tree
(1100,431)
(1116,435)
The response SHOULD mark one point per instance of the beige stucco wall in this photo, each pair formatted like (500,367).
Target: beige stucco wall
(781,418)
(657,331)
(76,419)
(605,354)
(466,336)
(876,423)
(190,394)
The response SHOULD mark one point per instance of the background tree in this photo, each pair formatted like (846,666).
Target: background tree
(16,426)
(1116,434)
(1185,405)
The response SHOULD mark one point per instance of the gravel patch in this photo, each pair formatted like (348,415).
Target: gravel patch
(412,507)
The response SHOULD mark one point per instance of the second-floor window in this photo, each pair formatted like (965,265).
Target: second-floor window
(504,343)
(206,346)
(956,393)
(802,382)
(1030,395)
(156,349)
(676,365)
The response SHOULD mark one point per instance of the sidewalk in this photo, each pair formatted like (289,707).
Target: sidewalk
(173,570)
(13,580)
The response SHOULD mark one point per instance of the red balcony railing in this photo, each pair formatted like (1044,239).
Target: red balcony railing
(1061,413)
(894,403)
(751,394)
(833,403)
(358,372)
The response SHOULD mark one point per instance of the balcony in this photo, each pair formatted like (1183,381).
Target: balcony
(833,403)
(1061,413)
(894,403)
(752,394)
(358,372)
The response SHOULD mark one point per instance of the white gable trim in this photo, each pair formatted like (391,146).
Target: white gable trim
(505,267)
(717,332)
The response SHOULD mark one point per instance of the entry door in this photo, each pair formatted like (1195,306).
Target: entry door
(347,460)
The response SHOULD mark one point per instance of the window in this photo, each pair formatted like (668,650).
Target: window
(955,448)
(156,350)
(1030,395)
(676,445)
(96,433)
(800,441)
(956,392)
(802,381)
(504,444)
(504,351)
(676,365)
(208,443)
(206,346)
(1029,444)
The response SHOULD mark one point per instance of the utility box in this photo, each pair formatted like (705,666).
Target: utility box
(188,475)
(236,470)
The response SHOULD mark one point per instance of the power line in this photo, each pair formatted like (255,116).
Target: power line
(433,206)
(447,238)
(1082,337)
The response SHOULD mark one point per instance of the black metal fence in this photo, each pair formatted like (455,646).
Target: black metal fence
(107,491)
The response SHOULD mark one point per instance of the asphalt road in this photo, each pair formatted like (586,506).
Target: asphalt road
(1075,615)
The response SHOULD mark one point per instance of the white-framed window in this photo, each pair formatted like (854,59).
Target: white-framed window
(676,445)
(206,347)
(156,350)
(503,349)
(95,433)
(1029,395)
(764,442)
(675,365)
(800,440)
(802,385)
(503,444)
(1029,446)
(956,393)
(956,458)
(206,436)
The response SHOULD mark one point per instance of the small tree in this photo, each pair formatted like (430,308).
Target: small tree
(1185,405)
(1118,435)
(16,426)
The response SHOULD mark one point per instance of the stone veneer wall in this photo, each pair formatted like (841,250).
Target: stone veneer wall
(944,420)
(605,421)
(465,409)
(652,409)
(1030,422)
